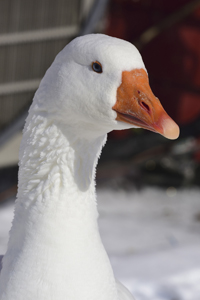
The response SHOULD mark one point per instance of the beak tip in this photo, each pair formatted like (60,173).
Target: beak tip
(170,129)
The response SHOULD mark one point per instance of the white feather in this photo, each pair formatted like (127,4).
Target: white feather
(55,250)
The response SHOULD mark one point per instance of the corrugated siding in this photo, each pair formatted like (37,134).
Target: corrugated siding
(26,15)
(41,31)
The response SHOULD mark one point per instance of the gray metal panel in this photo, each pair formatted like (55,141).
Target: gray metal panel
(26,15)
(31,34)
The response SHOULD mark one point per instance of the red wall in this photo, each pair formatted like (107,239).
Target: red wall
(172,58)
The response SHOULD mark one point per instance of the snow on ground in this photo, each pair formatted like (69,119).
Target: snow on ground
(152,238)
(153,241)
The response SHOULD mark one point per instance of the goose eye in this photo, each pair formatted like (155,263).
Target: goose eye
(97,67)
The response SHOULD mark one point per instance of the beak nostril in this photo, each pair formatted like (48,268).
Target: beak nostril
(145,106)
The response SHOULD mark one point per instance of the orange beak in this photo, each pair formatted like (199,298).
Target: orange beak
(137,105)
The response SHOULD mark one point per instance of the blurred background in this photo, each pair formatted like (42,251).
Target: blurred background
(148,187)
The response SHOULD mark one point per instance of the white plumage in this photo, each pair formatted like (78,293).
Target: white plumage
(55,251)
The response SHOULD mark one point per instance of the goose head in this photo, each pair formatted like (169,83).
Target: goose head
(100,83)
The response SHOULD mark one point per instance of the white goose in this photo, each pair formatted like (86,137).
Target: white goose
(96,84)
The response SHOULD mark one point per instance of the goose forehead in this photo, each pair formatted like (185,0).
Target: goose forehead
(107,50)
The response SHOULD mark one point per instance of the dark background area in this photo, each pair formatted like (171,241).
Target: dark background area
(167,34)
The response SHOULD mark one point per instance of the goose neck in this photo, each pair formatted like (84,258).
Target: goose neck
(55,163)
